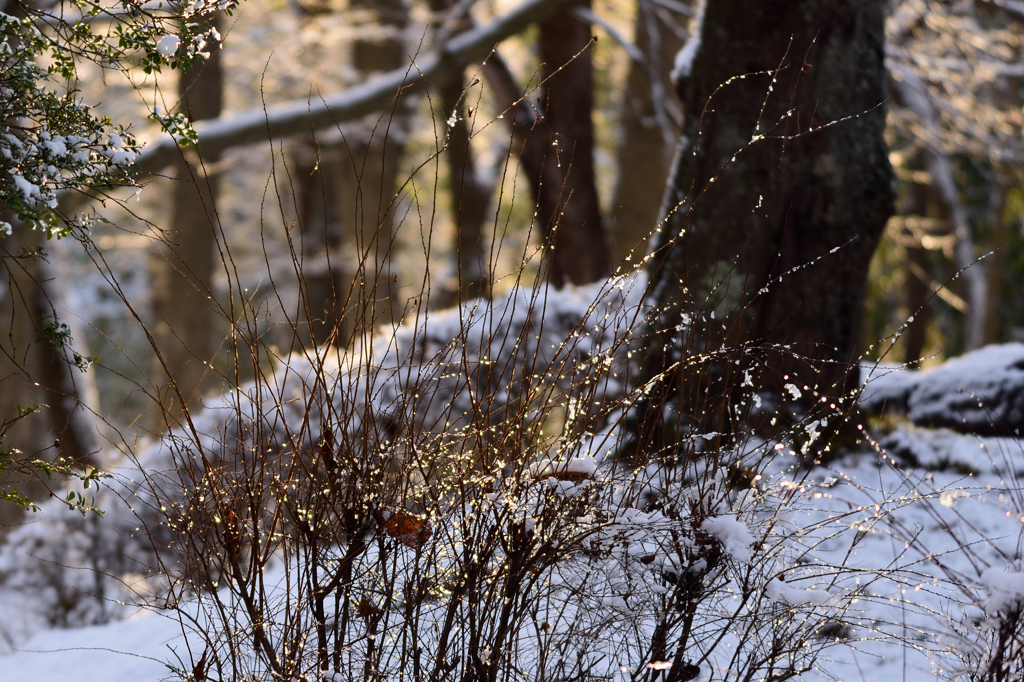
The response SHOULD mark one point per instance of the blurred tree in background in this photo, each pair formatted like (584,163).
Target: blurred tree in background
(955,130)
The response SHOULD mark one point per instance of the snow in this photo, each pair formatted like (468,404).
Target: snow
(683,64)
(918,538)
(793,391)
(582,465)
(890,601)
(734,535)
(56,146)
(134,649)
(28,190)
(123,158)
(168,45)
(886,387)
(795,596)
(1005,589)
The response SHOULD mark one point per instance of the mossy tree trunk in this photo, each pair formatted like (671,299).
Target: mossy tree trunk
(773,237)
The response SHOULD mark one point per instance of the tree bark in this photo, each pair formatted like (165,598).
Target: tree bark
(773,236)
(994,266)
(918,292)
(316,173)
(69,392)
(554,139)
(913,95)
(568,211)
(34,372)
(368,183)
(470,196)
(345,185)
(183,270)
(17,384)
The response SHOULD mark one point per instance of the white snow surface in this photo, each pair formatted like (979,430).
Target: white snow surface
(126,650)
(873,508)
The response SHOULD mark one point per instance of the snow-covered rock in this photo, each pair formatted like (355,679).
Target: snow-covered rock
(981,392)
(887,387)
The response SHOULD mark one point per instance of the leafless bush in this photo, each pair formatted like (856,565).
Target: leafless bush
(464,496)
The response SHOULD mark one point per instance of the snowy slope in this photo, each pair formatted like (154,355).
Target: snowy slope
(121,651)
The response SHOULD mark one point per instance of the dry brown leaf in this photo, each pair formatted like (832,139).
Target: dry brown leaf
(411,531)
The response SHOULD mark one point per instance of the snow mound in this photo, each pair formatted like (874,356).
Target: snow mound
(887,387)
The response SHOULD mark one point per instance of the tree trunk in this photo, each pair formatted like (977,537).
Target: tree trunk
(35,372)
(914,95)
(773,235)
(345,194)
(918,292)
(368,184)
(315,174)
(18,387)
(649,129)
(68,384)
(470,196)
(994,266)
(345,183)
(183,271)
(568,211)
